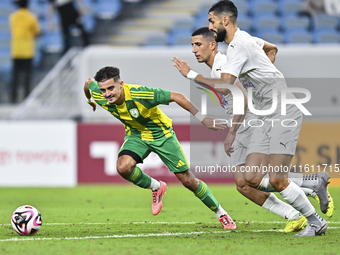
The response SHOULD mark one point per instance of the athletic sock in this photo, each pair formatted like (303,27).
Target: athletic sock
(155,185)
(204,194)
(220,212)
(280,208)
(294,196)
(139,178)
(298,179)
(264,184)
(315,218)
(310,181)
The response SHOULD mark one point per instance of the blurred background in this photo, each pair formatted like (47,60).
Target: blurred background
(53,134)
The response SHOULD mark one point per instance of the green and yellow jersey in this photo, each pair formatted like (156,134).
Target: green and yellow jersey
(139,113)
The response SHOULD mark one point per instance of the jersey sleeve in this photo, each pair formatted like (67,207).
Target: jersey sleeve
(237,56)
(154,96)
(93,85)
(259,41)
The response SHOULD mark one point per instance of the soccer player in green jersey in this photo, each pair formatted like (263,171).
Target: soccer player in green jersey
(147,130)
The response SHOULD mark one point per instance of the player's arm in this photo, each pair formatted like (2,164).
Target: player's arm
(185,103)
(184,68)
(270,50)
(88,93)
(237,122)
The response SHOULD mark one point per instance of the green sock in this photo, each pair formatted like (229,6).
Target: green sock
(204,194)
(139,178)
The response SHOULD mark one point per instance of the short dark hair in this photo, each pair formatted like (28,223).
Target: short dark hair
(225,7)
(21,3)
(205,32)
(107,73)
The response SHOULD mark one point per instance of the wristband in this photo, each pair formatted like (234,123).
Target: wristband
(89,100)
(199,116)
(192,75)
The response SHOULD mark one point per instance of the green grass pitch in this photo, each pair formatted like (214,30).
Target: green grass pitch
(117,219)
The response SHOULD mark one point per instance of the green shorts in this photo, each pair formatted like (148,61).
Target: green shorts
(168,149)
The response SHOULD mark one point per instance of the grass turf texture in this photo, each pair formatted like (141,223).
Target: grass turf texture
(108,220)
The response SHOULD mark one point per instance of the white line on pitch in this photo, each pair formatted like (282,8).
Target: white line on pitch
(164,222)
(127,236)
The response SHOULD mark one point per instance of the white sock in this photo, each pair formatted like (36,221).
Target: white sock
(296,178)
(220,212)
(155,185)
(264,184)
(280,208)
(310,181)
(308,192)
(294,196)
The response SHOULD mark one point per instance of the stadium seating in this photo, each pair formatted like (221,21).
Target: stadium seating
(296,36)
(273,36)
(263,7)
(266,22)
(294,22)
(159,39)
(286,7)
(330,36)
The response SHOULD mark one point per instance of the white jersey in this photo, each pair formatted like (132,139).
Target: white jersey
(247,61)
(218,67)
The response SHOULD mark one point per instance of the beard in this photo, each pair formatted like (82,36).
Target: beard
(221,35)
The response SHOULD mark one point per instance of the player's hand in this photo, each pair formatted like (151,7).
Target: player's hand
(93,104)
(182,66)
(228,143)
(89,80)
(212,124)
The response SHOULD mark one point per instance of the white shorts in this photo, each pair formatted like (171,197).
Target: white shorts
(239,156)
(279,133)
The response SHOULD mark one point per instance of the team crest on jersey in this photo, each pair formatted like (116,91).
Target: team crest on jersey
(134,112)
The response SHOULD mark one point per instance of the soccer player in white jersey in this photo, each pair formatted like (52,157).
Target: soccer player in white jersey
(247,61)
(205,49)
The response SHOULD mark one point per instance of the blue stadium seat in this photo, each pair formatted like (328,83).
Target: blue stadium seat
(180,37)
(262,6)
(323,21)
(242,6)
(290,23)
(108,9)
(201,21)
(289,6)
(267,22)
(185,23)
(52,42)
(272,36)
(5,63)
(326,36)
(159,39)
(298,37)
(244,23)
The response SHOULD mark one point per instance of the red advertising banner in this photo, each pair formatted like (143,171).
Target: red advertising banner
(98,146)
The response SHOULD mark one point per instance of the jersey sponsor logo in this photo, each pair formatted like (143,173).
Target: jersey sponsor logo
(232,46)
(134,112)
(218,69)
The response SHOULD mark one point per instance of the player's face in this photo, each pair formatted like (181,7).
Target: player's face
(201,48)
(112,91)
(215,25)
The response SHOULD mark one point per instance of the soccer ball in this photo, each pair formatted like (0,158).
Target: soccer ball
(26,220)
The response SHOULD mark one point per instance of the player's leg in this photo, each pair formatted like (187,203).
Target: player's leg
(202,191)
(134,151)
(171,153)
(295,220)
(315,185)
(294,195)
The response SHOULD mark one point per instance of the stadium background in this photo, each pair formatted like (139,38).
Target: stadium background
(54,135)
